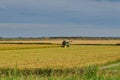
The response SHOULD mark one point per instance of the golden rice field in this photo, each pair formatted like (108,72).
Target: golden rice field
(47,55)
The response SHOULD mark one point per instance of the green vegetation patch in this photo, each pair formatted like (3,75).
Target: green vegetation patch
(88,73)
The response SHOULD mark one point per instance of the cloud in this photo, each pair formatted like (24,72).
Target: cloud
(62,11)
(71,8)
(73,14)
(46,30)
(108,0)
(71,5)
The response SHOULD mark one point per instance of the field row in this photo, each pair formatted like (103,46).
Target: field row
(26,46)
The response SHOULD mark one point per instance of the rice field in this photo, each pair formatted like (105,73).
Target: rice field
(52,55)
(48,57)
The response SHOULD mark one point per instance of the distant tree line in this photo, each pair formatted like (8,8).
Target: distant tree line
(47,38)
(87,38)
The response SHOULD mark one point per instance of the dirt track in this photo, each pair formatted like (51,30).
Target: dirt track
(109,66)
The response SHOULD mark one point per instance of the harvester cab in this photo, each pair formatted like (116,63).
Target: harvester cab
(66,43)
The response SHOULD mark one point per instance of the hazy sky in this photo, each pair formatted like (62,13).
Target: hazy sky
(41,18)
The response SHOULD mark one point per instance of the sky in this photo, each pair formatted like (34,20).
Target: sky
(51,18)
